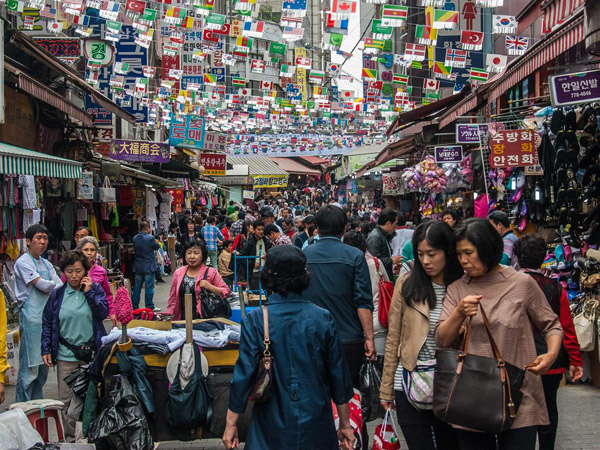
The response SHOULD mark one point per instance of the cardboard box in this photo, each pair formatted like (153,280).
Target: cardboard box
(153,324)
(12,344)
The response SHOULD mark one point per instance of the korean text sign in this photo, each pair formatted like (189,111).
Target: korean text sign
(187,132)
(269,181)
(215,141)
(449,154)
(575,88)
(152,152)
(467,133)
(213,164)
(512,148)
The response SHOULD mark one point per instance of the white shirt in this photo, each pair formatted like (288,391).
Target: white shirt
(401,237)
(26,271)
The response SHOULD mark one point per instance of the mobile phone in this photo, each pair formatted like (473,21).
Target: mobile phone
(82,287)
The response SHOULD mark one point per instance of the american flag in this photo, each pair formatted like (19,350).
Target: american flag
(516,45)
(48,13)
(292,33)
(456,58)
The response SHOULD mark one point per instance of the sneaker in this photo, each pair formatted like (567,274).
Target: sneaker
(156,309)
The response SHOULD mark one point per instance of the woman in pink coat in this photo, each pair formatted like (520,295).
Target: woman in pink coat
(191,279)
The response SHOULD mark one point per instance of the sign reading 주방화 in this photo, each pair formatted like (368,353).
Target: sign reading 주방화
(468,133)
(448,154)
(512,148)
(187,132)
(144,151)
(213,164)
(575,88)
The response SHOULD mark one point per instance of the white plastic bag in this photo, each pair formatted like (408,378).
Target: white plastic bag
(17,432)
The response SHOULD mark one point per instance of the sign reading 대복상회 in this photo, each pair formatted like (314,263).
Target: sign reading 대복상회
(144,151)
(575,88)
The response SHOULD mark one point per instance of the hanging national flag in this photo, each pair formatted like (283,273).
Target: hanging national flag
(73,7)
(379,31)
(202,6)
(175,74)
(175,15)
(266,85)
(320,91)
(416,65)
(456,58)
(516,45)
(116,81)
(443,19)
(478,74)
(440,70)
(84,31)
(257,66)
(48,13)
(373,45)
(400,79)
(135,7)
(238,82)
(303,63)
(346,95)
(316,77)
(332,41)
(431,85)
(426,35)
(82,20)
(292,34)
(333,25)
(92,78)
(369,74)
(214,21)
(333,68)
(253,29)
(276,49)
(242,41)
(141,85)
(504,24)
(394,15)
(187,22)
(149,71)
(287,71)
(415,52)
(210,79)
(495,63)
(241,52)
(110,10)
(113,31)
(171,50)
(291,21)
(244,4)
(343,9)
(122,68)
(471,40)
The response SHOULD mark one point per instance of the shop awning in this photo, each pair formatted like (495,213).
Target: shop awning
(29,46)
(315,160)
(257,165)
(293,167)
(395,150)
(21,161)
(555,11)
(544,51)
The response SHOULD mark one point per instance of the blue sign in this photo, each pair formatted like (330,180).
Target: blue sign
(127,51)
(219,72)
(474,59)
(187,132)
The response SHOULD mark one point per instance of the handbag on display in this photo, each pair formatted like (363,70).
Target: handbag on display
(263,383)
(212,304)
(386,292)
(85,186)
(584,325)
(418,384)
(107,193)
(476,392)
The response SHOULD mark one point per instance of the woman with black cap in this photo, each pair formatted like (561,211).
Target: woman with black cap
(309,369)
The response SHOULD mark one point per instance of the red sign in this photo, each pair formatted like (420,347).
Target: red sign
(512,148)
(213,164)
(177,195)
(170,62)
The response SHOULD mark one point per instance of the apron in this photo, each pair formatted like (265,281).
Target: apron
(30,319)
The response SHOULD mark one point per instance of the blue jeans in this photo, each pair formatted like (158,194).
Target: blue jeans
(140,279)
(213,255)
(30,382)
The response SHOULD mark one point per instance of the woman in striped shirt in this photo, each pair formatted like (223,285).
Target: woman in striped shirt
(415,309)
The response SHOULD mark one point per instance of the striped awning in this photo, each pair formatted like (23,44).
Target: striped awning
(542,53)
(556,11)
(20,161)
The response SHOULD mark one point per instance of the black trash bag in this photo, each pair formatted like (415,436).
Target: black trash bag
(78,380)
(121,425)
(370,383)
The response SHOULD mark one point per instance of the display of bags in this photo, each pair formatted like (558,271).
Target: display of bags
(107,193)
(476,392)
(263,382)
(386,436)
(85,186)
(418,384)
(584,325)
(386,292)
(370,383)
(212,304)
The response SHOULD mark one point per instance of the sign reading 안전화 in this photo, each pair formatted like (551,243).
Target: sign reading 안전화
(144,151)
(513,148)
(269,181)
(213,164)
(187,132)
(448,154)
(575,88)
(468,133)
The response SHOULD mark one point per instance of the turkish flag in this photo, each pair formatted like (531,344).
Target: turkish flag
(136,6)
(207,36)
(471,37)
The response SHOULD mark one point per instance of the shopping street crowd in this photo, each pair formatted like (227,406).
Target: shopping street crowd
(326,267)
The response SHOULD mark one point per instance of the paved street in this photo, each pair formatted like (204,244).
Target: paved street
(579,408)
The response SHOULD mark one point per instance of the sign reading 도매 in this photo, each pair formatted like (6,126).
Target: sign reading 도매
(448,154)
(213,164)
(512,148)
(575,88)
(468,133)
(144,151)
(187,132)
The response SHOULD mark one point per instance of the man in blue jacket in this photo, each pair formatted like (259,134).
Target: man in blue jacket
(144,266)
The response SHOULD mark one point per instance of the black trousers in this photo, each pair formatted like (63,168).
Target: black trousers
(547,433)
(421,429)
(354,355)
(514,439)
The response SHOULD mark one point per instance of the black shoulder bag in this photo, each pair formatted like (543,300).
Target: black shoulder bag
(212,304)
(84,352)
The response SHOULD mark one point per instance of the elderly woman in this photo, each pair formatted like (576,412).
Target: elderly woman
(309,369)
(515,306)
(72,326)
(89,247)
(192,278)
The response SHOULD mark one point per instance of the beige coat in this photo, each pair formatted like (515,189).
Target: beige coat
(407,332)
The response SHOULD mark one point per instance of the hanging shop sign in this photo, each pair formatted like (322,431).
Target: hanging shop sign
(448,154)
(67,49)
(269,181)
(187,132)
(575,88)
(247,195)
(177,195)
(468,133)
(213,164)
(512,148)
(99,53)
(215,141)
(144,151)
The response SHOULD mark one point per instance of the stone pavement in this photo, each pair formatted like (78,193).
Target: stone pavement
(579,406)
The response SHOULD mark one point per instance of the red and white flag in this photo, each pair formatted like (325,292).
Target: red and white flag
(415,52)
(303,63)
(257,66)
(471,40)
(266,85)
(431,85)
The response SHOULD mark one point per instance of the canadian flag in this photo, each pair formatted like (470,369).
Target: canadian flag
(431,85)
(266,85)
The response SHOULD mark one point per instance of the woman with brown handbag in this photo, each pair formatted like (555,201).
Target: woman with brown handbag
(511,305)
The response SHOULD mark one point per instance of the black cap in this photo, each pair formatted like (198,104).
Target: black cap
(285,261)
(309,219)
(267,212)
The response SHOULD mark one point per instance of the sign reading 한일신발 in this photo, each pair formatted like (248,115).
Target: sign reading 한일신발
(448,154)
(468,133)
(575,88)
(512,148)
(144,151)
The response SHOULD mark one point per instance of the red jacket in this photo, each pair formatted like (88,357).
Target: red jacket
(570,341)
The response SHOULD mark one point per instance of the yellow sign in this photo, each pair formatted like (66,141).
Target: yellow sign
(300,52)
(236,27)
(269,181)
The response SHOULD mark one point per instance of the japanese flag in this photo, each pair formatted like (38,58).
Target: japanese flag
(55,27)
(245,92)
(346,95)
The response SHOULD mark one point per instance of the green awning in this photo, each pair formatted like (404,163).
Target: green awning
(21,161)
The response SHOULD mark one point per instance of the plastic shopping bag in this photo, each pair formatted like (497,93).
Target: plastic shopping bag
(356,420)
(370,383)
(386,437)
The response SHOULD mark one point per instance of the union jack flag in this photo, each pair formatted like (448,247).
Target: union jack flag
(516,45)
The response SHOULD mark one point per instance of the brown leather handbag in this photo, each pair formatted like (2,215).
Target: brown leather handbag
(474,391)
(263,383)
